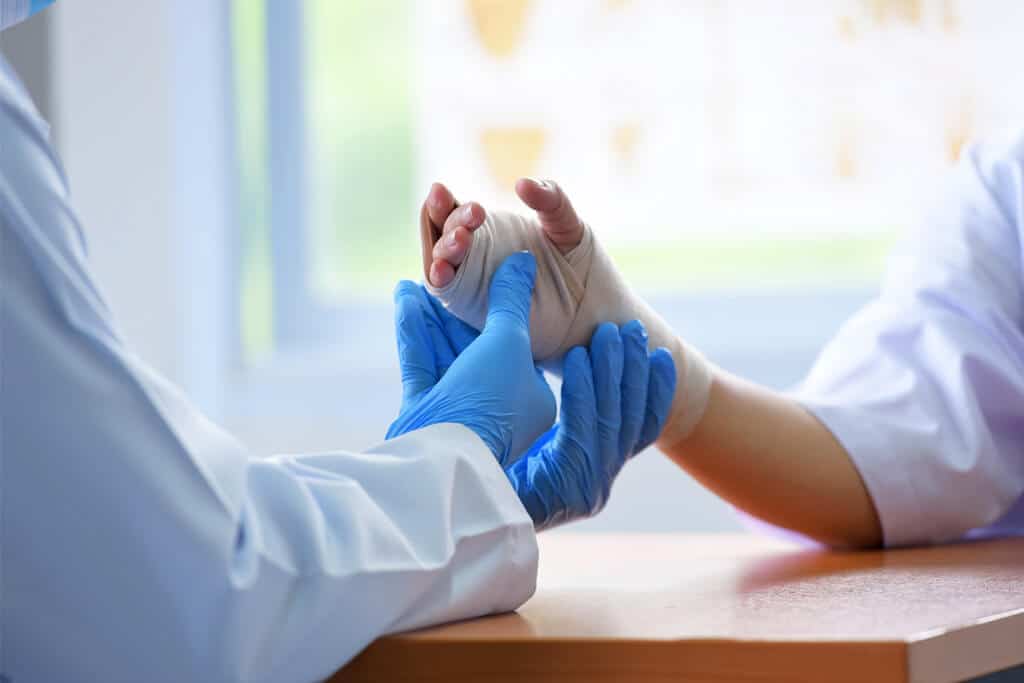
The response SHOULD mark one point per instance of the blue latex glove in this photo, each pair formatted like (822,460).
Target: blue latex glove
(492,386)
(615,400)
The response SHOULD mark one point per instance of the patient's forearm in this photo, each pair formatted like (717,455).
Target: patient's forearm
(768,456)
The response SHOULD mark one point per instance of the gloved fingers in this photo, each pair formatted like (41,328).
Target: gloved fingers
(528,479)
(542,441)
(579,403)
(661,388)
(440,342)
(416,353)
(606,359)
(508,303)
(518,475)
(635,375)
(576,449)
(459,334)
(539,417)
(576,455)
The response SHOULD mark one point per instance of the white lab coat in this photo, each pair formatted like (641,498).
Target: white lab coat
(139,542)
(925,386)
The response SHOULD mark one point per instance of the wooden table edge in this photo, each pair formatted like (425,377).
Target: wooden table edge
(968,651)
(604,660)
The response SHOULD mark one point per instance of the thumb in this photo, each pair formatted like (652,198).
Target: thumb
(554,211)
(509,296)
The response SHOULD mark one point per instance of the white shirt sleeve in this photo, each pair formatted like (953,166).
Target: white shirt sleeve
(141,542)
(925,386)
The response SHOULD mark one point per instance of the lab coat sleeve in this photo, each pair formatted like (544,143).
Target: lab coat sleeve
(141,542)
(925,386)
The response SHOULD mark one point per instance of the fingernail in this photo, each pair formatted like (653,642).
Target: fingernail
(467,212)
(451,240)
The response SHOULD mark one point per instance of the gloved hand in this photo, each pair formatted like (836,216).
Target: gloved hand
(492,385)
(615,400)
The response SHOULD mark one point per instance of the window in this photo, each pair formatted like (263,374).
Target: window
(326,128)
(747,163)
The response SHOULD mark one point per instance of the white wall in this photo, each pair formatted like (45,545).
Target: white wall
(139,87)
(112,71)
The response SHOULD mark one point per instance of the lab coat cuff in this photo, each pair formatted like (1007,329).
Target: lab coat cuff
(522,553)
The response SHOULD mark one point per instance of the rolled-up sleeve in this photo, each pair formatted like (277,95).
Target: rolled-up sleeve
(924,387)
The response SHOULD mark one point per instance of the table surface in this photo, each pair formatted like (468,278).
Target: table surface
(673,607)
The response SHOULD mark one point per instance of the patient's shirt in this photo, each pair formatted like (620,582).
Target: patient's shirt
(925,386)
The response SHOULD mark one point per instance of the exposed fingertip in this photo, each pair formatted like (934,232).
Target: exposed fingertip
(456,245)
(439,197)
(540,195)
(453,246)
(441,273)
(526,183)
(478,217)
(472,213)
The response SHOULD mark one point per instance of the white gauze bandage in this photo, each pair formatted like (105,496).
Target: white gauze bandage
(574,293)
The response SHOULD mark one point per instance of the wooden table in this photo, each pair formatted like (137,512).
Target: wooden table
(659,608)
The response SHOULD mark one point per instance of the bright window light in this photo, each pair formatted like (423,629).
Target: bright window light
(737,145)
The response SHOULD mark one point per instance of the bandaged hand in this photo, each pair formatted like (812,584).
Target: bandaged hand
(577,287)
(492,386)
(615,399)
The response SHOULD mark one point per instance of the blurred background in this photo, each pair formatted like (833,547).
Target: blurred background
(249,173)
